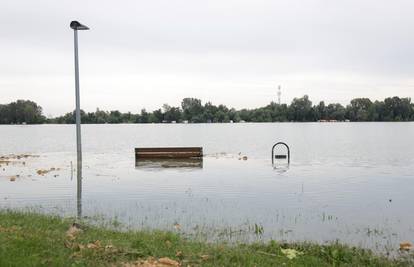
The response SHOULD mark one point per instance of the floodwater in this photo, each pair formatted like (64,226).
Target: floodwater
(351,182)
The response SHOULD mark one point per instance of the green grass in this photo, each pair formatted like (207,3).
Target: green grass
(29,239)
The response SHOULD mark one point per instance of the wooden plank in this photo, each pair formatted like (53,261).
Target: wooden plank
(168,152)
(167,155)
(169,149)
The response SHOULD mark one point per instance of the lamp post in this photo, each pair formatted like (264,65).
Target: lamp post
(76,26)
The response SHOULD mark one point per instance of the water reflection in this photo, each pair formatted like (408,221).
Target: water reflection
(281,168)
(79,191)
(190,163)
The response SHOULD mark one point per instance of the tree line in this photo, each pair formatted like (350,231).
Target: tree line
(192,110)
(21,111)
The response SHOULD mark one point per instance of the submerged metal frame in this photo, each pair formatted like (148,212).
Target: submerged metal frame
(273,151)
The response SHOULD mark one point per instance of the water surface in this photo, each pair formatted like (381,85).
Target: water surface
(346,181)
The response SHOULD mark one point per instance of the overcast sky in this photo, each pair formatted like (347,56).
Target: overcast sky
(141,54)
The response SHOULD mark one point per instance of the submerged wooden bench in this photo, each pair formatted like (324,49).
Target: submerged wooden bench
(168,152)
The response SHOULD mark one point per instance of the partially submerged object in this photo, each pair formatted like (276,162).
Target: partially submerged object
(169,157)
(280,156)
(168,152)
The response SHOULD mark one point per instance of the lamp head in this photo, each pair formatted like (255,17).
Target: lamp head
(77,26)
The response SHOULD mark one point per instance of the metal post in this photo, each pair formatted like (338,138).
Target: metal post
(78,128)
(77,26)
(78,117)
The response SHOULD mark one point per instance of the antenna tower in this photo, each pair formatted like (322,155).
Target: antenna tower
(279,94)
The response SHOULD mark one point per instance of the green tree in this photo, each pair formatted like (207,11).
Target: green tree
(192,109)
(173,114)
(301,109)
(156,116)
(360,109)
(335,112)
(321,112)
(144,117)
(397,109)
(21,111)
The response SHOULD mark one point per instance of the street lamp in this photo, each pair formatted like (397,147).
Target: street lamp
(76,26)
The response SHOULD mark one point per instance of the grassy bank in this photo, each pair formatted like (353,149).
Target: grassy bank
(28,239)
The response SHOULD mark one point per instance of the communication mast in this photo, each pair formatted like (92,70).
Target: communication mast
(279,94)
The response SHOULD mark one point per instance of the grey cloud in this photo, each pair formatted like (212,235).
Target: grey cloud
(329,47)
